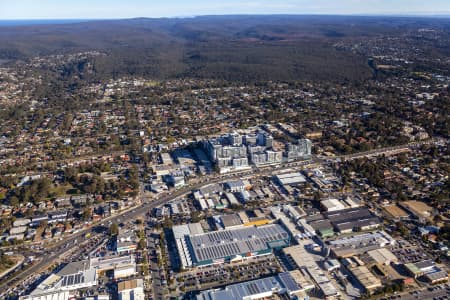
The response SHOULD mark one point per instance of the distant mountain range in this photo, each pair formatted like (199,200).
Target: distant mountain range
(242,47)
(25,22)
(40,22)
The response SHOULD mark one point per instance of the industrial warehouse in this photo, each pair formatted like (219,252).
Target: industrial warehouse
(287,283)
(216,247)
(362,243)
(82,274)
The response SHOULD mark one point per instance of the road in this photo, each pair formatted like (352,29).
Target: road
(438,292)
(150,203)
(158,288)
(386,151)
(133,213)
(18,259)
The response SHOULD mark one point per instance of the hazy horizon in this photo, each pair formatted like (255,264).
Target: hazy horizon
(42,21)
(113,9)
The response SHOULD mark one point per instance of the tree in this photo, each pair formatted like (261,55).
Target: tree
(5,261)
(14,201)
(317,196)
(401,227)
(141,244)
(113,229)
(195,216)
(87,212)
(402,158)
(43,224)
(167,223)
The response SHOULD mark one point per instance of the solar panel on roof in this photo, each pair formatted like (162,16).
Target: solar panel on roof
(253,288)
(71,279)
(228,249)
(209,252)
(231,242)
(216,251)
(288,281)
(198,254)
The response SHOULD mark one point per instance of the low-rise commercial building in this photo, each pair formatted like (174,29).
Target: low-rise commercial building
(418,209)
(290,179)
(73,276)
(395,213)
(358,244)
(288,283)
(300,258)
(131,290)
(180,233)
(234,186)
(383,256)
(330,205)
(436,276)
(126,242)
(231,221)
(369,281)
(420,268)
(323,227)
(47,295)
(228,245)
(122,266)
(353,219)
(176,179)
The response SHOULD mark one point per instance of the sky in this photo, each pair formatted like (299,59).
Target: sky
(112,9)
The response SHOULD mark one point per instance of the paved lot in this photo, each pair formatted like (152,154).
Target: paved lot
(438,292)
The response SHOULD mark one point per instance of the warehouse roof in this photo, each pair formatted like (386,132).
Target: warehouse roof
(302,258)
(360,243)
(74,267)
(130,284)
(421,266)
(283,282)
(379,237)
(180,231)
(348,214)
(73,276)
(112,263)
(333,204)
(352,218)
(418,208)
(361,223)
(395,211)
(235,184)
(291,178)
(321,225)
(231,220)
(210,189)
(437,275)
(78,278)
(366,278)
(383,256)
(225,243)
